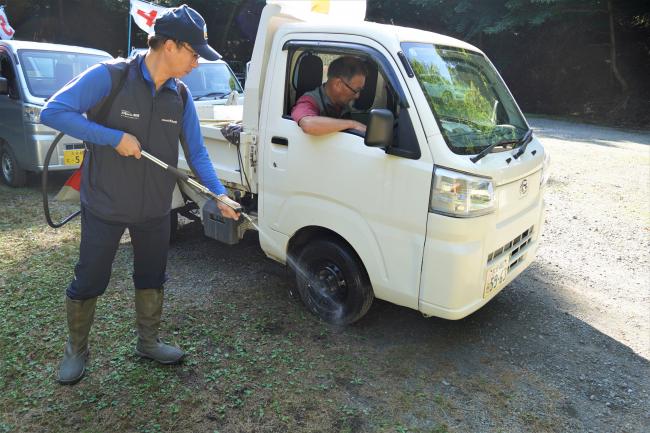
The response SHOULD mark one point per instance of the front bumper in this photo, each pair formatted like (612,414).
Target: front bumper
(40,138)
(459,252)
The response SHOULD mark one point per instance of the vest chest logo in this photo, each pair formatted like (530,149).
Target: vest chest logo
(172,121)
(128,115)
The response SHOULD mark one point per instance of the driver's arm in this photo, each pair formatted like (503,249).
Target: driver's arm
(320,125)
(307,115)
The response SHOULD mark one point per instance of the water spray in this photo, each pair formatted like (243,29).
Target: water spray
(314,281)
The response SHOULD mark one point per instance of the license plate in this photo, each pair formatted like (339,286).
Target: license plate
(73,157)
(496,275)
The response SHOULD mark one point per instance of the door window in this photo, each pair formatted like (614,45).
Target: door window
(307,70)
(7,71)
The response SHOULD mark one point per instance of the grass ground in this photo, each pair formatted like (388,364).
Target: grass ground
(257,361)
(254,364)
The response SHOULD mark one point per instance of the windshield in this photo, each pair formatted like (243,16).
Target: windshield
(48,71)
(211,79)
(472,104)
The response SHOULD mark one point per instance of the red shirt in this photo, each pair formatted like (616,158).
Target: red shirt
(305,106)
(316,103)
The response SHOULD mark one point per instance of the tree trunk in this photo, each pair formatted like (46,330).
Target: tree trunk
(61,16)
(612,49)
(229,21)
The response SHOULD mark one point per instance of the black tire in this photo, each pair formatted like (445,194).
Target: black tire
(12,174)
(332,282)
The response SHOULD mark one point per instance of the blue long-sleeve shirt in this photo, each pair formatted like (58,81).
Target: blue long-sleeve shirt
(64,112)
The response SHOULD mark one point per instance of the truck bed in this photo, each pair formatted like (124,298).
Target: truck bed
(223,154)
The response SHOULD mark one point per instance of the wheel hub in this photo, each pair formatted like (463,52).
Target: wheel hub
(7,167)
(330,284)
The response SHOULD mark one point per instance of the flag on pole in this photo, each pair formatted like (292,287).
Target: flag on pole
(69,192)
(6,32)
(144,14)
(316,10)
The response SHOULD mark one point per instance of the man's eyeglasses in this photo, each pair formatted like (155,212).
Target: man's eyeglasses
(355,91)
(194,53)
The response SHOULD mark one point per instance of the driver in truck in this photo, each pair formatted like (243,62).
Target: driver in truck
(325,109)
(145,110)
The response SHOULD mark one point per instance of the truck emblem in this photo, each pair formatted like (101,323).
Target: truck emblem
(523,188)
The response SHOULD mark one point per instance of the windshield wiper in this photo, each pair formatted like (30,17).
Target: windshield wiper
(211,94)
(462,120)
(524,140)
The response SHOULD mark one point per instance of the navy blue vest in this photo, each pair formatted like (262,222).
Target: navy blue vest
(124,189)
(325,105)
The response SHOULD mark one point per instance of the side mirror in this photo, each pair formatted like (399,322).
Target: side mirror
(380,128)
(4,86)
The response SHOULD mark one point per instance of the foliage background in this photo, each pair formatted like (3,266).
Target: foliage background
(583,58)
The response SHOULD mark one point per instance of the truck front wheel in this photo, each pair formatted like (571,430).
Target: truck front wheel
(332,282)
(12,174)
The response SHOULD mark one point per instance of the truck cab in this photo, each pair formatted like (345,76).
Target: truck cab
(31,72)
(437,208)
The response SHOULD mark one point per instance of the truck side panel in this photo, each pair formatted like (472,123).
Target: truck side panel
(377,202)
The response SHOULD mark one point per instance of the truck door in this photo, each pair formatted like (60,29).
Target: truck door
(375,201)
(12,141)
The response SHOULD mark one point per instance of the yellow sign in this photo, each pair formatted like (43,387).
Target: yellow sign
(321,10)
(320,6)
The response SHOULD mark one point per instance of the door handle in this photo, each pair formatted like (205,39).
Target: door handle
(280,140)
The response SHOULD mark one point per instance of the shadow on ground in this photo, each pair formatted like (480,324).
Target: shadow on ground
(513,363)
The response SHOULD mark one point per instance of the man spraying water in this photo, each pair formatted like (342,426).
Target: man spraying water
(132,105)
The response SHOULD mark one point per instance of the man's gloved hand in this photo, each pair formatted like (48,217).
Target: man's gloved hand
(226,205)
(129,146)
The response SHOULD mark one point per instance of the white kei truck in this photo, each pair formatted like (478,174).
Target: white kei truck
(437,208)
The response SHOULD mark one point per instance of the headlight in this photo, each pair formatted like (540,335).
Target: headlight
(545,168)
(32,113)
(461,195)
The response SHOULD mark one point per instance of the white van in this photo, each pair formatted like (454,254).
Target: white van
(211,83)
(31,72)
(437,208)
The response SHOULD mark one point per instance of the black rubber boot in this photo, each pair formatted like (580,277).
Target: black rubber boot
(80,319)
(148,308)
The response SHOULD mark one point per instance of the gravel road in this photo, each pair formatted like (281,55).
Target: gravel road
(563,348)
(588,293)
(596,250)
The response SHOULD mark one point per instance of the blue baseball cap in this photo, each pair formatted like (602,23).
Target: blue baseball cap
(185,24)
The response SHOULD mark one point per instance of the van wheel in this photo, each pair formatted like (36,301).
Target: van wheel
(332,282)
(12,174)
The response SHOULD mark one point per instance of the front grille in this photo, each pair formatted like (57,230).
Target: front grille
(516,249)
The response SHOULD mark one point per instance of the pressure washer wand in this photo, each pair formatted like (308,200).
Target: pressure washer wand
(181,175)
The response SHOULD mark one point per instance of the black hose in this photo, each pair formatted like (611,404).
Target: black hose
(46,205)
